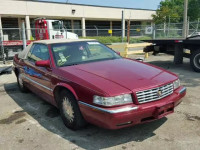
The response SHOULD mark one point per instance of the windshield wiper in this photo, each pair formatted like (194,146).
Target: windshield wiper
(69,65)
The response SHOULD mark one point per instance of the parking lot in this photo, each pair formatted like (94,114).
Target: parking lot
(27,122)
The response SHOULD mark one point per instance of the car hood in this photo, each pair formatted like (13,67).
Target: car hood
(129,74)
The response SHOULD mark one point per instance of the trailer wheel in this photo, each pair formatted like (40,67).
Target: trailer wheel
(195,60)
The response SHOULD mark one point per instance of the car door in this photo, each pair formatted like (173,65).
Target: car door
(39,77)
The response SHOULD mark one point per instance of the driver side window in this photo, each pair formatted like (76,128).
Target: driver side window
(38,52)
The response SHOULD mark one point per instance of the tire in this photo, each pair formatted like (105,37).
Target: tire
(20,83)
(70,112)
(195,60)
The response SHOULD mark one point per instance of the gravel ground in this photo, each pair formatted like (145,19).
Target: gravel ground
(27,122)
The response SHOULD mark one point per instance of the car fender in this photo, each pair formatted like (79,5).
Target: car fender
(68,87)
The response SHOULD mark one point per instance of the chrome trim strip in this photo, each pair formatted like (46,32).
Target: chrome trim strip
(182,90)
(37,83)
(126,109)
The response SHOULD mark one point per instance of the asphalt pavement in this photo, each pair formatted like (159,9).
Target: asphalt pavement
(28,122)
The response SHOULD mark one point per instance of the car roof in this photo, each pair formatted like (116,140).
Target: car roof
(55,41)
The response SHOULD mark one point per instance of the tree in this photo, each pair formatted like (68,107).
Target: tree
(194,10)
(173,10)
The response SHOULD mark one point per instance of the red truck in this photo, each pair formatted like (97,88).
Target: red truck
(89,82)
(45,29)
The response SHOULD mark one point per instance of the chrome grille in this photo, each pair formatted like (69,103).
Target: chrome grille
(154,94)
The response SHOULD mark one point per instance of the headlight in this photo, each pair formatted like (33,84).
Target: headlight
(112,101)
(176,84)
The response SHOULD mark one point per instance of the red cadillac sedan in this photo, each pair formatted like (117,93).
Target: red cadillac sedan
(89,82)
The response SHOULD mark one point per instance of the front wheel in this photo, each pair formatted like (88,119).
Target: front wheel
(195,60)
(70,112)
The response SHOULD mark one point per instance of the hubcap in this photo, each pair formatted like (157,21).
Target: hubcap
(20,81)
(68,109)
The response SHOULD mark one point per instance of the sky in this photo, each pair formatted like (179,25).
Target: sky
(142,4)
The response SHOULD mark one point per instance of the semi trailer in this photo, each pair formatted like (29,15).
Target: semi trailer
(180,48)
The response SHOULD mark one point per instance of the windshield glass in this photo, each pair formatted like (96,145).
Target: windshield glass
(56,25)
(66,54)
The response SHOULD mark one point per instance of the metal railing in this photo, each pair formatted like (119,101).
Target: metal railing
(125,48)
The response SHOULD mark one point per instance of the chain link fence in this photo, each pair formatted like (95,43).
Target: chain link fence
(175,30)
(172,30)
(10,34)
(161,31)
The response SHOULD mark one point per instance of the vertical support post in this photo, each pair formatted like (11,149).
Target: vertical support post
(178,54)
(126,50)
(128,31)
(123,26)
(1,41)
(164,29)
(2,47)
(185,18)
(111,27)
(83,27)
(97,30)
(72,25)
(1,27)
(146,55)
(20,26)
(188,27)
(23,35)
(28,27)
(154,31)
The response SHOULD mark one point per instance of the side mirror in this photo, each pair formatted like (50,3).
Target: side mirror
(140,59)
(43,63)
(16,56)
(118,53)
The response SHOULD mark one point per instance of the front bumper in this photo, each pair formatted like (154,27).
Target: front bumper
(129,115)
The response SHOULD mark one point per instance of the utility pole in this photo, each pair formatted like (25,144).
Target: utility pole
(185,19)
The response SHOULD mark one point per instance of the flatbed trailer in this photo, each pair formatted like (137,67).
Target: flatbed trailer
(180,48)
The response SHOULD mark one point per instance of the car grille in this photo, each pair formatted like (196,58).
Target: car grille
(154,94)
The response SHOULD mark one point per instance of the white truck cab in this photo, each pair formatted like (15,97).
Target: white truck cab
(52,29)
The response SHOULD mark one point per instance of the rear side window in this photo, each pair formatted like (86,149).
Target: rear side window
(38,52)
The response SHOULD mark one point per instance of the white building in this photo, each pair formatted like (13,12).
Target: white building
(75,16)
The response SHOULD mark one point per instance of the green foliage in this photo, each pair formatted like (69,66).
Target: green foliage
(116,39)
(105,39)
(169,9)
(139,39)
(194,10)
(173,10)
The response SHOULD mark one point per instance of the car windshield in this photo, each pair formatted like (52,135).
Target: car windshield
(67,54)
